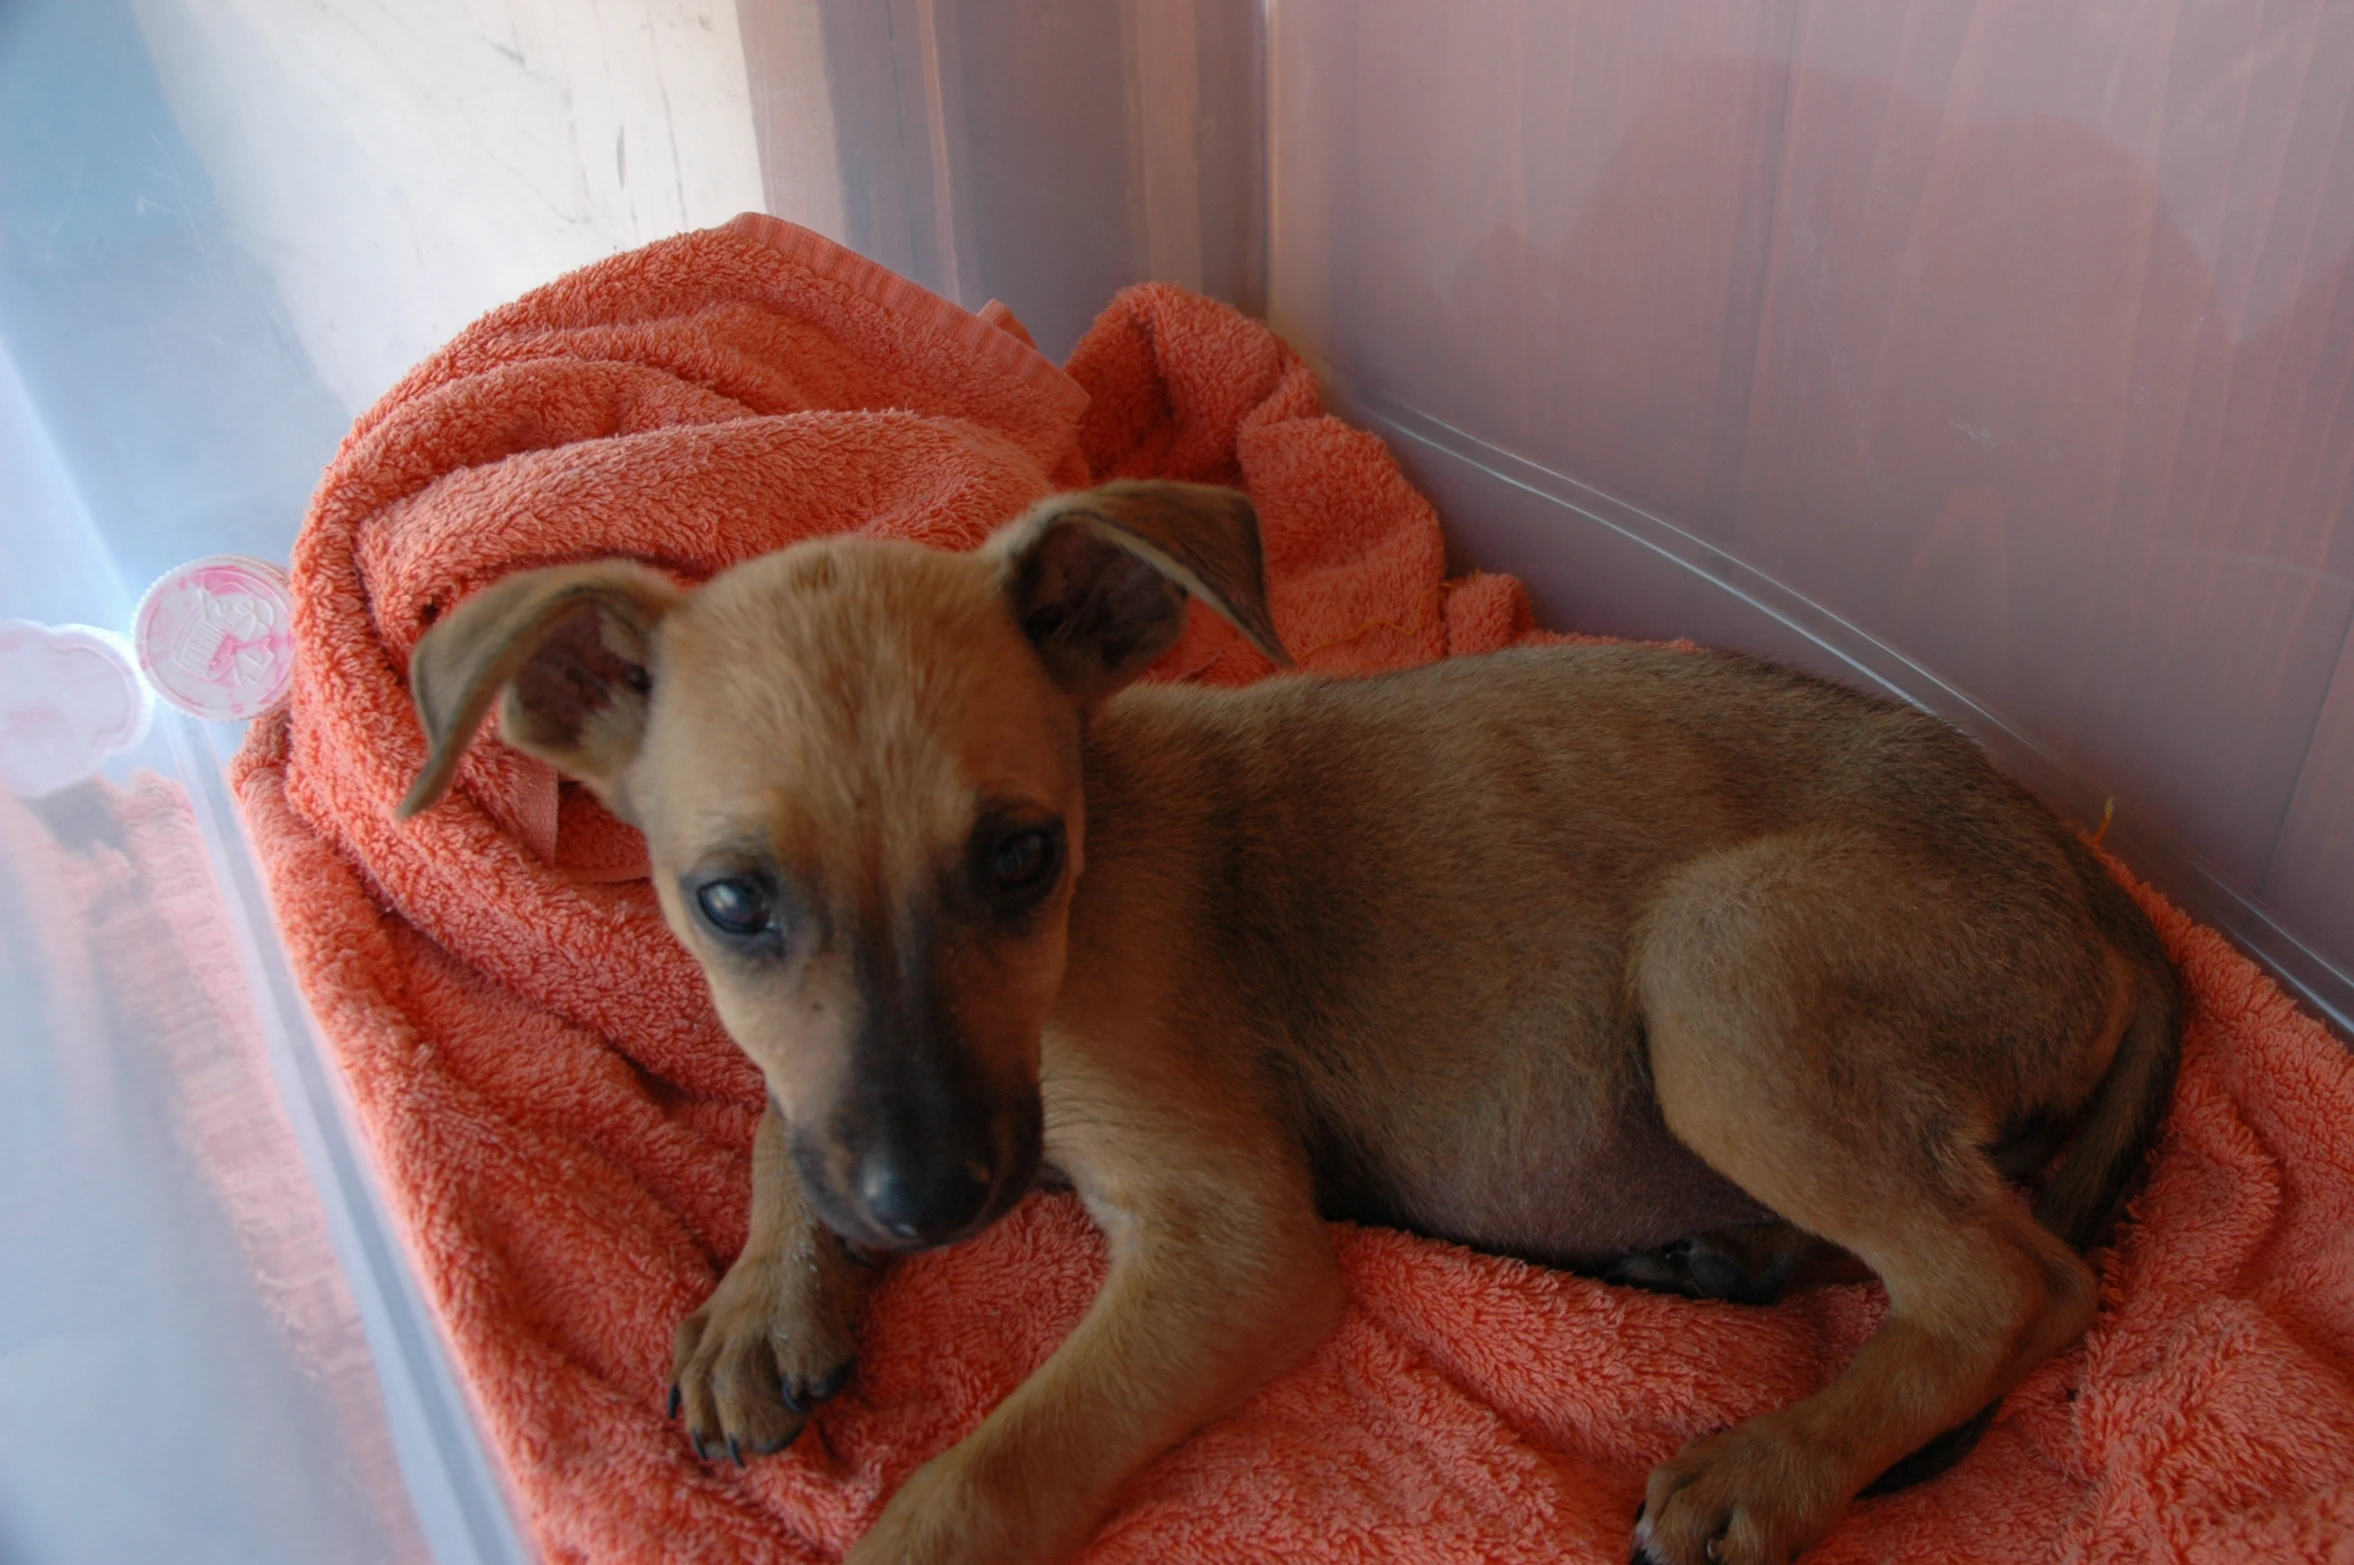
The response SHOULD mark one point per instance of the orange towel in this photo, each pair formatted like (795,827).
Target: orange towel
(564,1128)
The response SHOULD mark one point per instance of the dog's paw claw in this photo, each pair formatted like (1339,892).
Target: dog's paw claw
(676,1397)
(1642,1554)
(802,1396)
(783,1442)
(835,1379)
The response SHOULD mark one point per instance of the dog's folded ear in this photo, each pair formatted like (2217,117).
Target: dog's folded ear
(571,648)
(1098,579)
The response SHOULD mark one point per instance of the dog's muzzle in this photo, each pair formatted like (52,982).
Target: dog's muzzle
(912,1181)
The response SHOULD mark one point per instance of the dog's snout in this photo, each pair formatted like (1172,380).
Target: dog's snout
(911,1180)
(924,1199)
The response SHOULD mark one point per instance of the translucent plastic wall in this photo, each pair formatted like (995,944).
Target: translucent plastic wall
(1991,353)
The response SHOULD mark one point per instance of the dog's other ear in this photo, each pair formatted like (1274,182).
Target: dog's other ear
(570,646)
(1099,579)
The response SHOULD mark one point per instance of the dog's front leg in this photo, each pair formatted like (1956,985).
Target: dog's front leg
(774,1338)
(1221,1275)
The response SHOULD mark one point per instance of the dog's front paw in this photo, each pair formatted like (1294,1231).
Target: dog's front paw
(980,1504)
(1753,1495)
(1749,1265)
(948,1514)
(769,1345)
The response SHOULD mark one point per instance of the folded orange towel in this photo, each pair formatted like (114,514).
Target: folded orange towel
(564,1128)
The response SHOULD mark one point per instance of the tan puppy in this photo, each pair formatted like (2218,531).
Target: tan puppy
(1575,954)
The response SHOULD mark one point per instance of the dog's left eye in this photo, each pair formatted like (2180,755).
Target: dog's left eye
(736,907)
(1022,859)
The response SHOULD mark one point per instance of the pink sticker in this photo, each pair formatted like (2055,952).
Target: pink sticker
(69,698)
(217,637)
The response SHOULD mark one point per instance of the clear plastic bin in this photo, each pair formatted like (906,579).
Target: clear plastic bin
(1994,354)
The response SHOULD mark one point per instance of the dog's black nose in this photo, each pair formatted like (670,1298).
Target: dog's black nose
(923,1200)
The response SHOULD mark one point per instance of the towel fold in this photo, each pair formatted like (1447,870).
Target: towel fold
(564,1129)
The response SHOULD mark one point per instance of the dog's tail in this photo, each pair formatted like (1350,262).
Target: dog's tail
(2082,1196)
(2116,1130)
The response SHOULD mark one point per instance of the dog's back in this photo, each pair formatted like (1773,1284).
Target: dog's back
(1420,896)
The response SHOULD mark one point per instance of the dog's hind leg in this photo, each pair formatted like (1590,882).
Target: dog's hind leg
(1806,1063)
(1974,1303)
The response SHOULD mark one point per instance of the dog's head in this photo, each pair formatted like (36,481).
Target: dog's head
(857,767)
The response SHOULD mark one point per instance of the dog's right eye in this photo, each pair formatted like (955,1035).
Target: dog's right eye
(736,907)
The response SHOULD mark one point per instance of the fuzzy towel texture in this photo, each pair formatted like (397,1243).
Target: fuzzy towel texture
(564,1128)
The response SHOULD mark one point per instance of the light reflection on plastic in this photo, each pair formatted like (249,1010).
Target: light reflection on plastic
(70,697)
